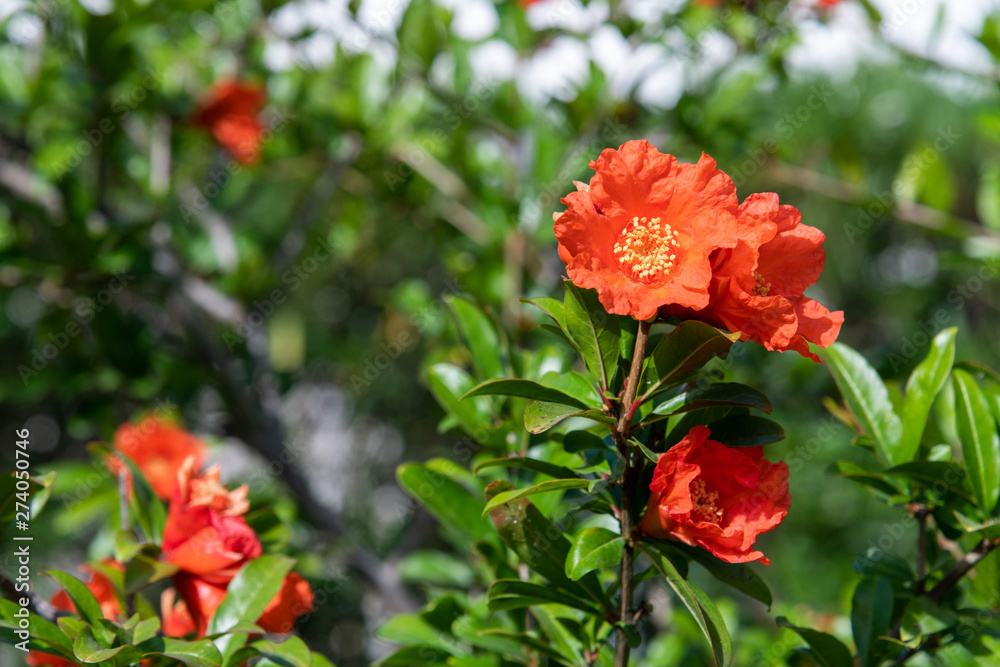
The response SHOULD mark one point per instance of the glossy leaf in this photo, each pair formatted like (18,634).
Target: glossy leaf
(596,333)
(738,575)
(448,501)
(291,652)
(871,613)
(447,382)
(977,431)
(525,463)
(681,352)
(866,396)
(925,382)
(719,393)
(87,607)
(542,487)
(197,653)
(523,389)
(746,431)
(539,543)
(828,650)
(87,649)
(934,475)
(45,633)
(144,570)
(540,417)
(719,639)
(479,335)
(593,549)
(507,594)
(253,587)
(873,480)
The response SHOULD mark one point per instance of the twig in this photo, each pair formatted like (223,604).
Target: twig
(621,434)
(962,568)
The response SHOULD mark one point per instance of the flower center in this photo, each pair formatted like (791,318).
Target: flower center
(763,287)
(704,503)
(647,249)
(208,491)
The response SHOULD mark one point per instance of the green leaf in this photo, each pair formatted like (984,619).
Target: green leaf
(718,635)
(523,389)
(856,473)
(480,337)
(436,567)
(292,652)
(447,382)
(540,417)
(876,562)
(593,549)
(507,594)
(88,649)
(525,463)
(866,396)
(746,431)
(925,382)
(719,640)
(871,614)
(568,644)
(449,502)
(542,487)
(539,543)
(738,575)
(679,353)
(197,653)
(719,393)
(557,311)
(144,570)
(416,629)
(596,333)
(577,385)
(934,475)
(319,660)
(145,629)
(41,629)
(416,655)
(828,650)
(977,431)
(578,441)
(87,607)
(253,587)
(530,641)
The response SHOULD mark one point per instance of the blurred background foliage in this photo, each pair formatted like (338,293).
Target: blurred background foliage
(289,309)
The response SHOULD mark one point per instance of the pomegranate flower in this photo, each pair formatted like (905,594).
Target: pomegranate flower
(230,113)
(642,232)
(159,448)
(205,533)
(719,498)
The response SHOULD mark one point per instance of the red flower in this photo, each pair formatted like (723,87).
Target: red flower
(757,287)
(230,112)
(176,617)
(293,600)
(642,232)
(107,598)
(200,599)
(159,448)
(716,497)
(205,533)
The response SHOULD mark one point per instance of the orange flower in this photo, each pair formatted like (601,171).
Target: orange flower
(293,600)
(716,497)
(757,287)
(230,112)
(176,617)
(107,598)
(159,448)
(200,598)
(205,533)
(642,232)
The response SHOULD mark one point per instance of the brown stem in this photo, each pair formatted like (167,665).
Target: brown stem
(621,434)
(961,569)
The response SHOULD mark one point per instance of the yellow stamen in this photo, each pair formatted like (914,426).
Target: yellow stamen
(763,287)
(704,503)
(647,249)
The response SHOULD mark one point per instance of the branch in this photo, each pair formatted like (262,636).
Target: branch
(961,569)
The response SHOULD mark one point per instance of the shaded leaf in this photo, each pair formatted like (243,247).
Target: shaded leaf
(523,389)
(593,549)
(925,382)
(540,417)
(828,650)
(977,431)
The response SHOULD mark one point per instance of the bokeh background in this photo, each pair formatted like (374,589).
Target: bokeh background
(416,149)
